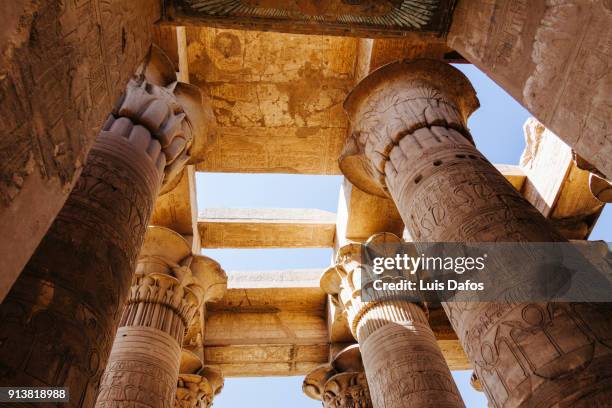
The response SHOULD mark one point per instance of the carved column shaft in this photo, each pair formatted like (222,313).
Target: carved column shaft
(403,363)
(410,140)
(63,310)
(170,285)
(144,361)
(61,315)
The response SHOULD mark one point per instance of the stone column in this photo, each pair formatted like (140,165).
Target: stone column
(60,317)
(341,384)
(199,389)
(403,363)
(410,141)
(170,285)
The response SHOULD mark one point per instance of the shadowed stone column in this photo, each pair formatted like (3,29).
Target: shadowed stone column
(410,141)
(198,390)
(403,363)
(170,285)
(60,317)
(341,384)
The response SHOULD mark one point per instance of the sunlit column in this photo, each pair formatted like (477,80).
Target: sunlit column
(403,363)
(170,285)
(410,141)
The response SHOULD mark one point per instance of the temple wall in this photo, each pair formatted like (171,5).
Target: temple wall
(63,64)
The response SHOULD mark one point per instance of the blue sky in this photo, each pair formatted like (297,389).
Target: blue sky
(497,131)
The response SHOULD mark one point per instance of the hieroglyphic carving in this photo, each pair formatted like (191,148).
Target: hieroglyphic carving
(142,369)
(553,57)
(252,77)
(76,291)
(446,191)
(403,363)
(170,286)
(57,83)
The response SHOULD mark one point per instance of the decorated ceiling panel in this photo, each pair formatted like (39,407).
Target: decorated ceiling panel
(372,18)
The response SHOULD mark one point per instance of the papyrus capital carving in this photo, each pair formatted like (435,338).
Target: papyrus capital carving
(198,390)
(168,274)
(174,120)
(341,383)
(343,281)
(391,105)
(197,384)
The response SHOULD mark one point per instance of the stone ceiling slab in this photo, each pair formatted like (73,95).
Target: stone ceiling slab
(277,98)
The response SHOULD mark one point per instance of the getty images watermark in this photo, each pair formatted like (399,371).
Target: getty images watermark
(492,272)
(413,264)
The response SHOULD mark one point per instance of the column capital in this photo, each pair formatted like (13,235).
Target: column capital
(168,274)
(475,382)
(341,383)
(396,101)
(198,390)
(347,390)
(314,382)
(197,384)
(343,280)
(600,187)
(176,115)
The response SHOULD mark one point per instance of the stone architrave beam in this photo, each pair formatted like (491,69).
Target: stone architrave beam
(267,228)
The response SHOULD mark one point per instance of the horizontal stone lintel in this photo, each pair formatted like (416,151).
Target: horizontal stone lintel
(267,228)
(274,323)
(286,227)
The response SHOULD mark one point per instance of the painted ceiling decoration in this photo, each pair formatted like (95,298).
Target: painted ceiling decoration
(350,17)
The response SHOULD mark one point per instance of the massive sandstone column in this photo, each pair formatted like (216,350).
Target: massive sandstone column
(403,363)
(60,317)
(341,384)
(170,285)
(410,141)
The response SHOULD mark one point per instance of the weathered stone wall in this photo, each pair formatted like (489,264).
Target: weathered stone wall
(62,66)
(551,56)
